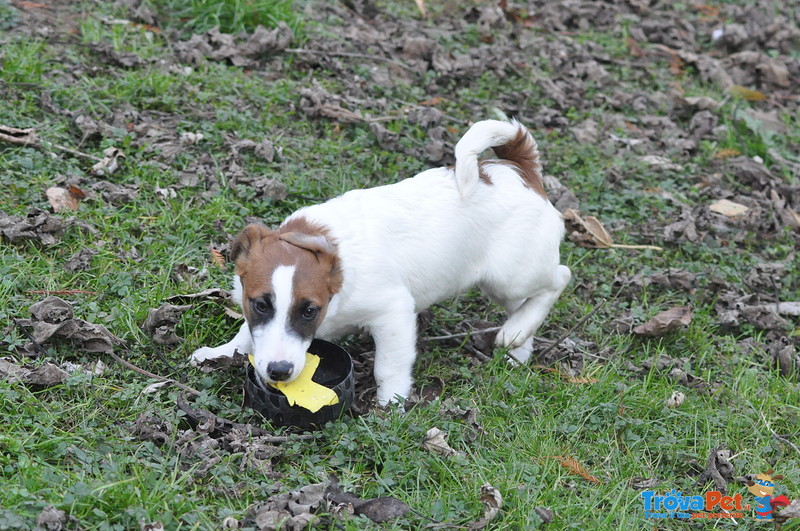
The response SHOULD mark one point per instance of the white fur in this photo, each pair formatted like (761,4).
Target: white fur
(406,246)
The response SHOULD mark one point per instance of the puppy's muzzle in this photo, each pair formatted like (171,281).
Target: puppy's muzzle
(279,370)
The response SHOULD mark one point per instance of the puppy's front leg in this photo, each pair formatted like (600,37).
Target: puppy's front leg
(241,342)
(395,334)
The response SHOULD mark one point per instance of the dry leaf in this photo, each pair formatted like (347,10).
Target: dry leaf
(22,137)
(666,321)
(574,466)
(160,323)
(790,511)
(109,163)
(61,199)
(492,502)
(675,400)
(589,232)
(435,442)
(421,7)
(746,93)
(727,153)
(728,208)
(217,258)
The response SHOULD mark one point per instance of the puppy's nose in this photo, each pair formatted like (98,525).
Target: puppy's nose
(279,370)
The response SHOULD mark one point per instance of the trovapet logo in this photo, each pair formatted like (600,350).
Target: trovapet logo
(674,504)
(762,488)
(714,504)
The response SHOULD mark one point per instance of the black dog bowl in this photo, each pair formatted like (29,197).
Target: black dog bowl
(335,372)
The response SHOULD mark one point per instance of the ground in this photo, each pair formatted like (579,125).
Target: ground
(138,137)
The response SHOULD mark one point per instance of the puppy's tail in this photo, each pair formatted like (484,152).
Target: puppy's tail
(511,142)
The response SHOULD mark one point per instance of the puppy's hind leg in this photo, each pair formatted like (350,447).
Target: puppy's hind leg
(242,342)
(517,332)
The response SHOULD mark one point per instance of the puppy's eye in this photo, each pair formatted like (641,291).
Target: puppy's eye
(261,306)
(310,313)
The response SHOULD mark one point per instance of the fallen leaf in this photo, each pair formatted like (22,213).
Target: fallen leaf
(13,135)
(41,376)
(217,258)
(51,519)
(718,468)
(36,225)
(792,510)
(61,199)
(727,153)
(492,503)
(746,93)
(435,442)
(659,162)
(728,208)
(53,318)
(675,400)
(160,323)
(589,232)
(109,163)
(152,388)
(666,321)
(545,514)
(574,466)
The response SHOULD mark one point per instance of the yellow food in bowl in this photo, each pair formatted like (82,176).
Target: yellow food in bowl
(304,392)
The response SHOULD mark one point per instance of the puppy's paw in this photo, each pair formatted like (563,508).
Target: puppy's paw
(205,353)
(393,394)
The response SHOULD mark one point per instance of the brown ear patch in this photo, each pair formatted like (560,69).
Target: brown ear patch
(247,238)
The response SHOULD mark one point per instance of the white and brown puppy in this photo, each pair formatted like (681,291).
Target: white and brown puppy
(375,258)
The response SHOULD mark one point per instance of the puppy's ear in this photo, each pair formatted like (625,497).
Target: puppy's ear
(779,476)
(315,243)
(249,235)
(749,482)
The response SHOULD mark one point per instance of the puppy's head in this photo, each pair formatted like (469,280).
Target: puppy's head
(288,277)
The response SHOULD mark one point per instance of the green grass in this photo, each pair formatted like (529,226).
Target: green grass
(72,445)
(231,16)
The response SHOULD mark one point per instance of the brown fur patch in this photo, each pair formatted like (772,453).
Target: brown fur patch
(522,154)
(258,251)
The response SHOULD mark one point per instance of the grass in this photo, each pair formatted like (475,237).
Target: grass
(72,445)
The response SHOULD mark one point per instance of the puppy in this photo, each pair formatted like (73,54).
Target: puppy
(374,258)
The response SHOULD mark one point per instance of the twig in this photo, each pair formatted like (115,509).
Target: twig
(354,55)
(461,335)
(73,152)
(782,439)
(572,328)
(149,374)
(27,137)
(627,246)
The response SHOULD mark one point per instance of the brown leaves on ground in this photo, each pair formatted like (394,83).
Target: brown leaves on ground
(52,318)
(781,515)
(666,321)
(41,376)
(37,225)
(160,323)
(719,469)
(492,502)
(298,509)
(435,441)
(217,46)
